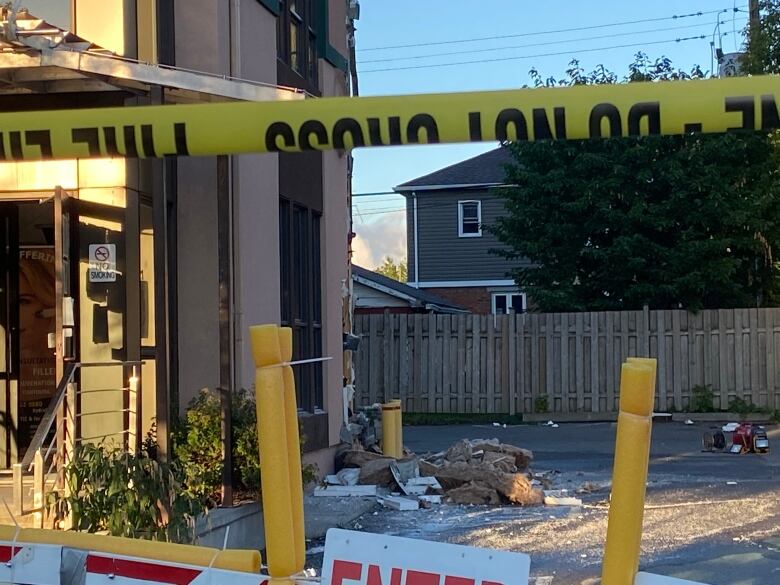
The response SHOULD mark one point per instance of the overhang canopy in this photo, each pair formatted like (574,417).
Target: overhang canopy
(37,57)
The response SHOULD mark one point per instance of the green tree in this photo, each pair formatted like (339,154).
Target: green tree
(763,41)
(392,269)
(671,222)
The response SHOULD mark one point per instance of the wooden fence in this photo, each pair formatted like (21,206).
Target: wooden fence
(501,364)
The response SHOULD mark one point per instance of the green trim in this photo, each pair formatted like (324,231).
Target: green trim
(324,48)
(272,5)
(336,59)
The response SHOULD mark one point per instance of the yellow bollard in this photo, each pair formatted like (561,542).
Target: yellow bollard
(293,448)
(389,438)
(399,430)
(629,476)
(274,462)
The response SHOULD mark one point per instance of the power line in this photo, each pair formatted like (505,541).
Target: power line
(520,57)
(546,43)
(549,32)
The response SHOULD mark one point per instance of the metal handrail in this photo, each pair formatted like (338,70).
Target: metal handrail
(59,395)
(49,416)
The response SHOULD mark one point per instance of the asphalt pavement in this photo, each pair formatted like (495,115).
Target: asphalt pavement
(709,517)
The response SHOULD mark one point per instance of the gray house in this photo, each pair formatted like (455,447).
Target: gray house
(448,247)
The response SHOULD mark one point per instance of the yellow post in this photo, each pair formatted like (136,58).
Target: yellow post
(293,448)
(399,431)
(272,440)
(389,438)
(629,476)
(645,455)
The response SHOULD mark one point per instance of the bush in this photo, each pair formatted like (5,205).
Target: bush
(197,446)
(740,406)
(702,398)
(126,494)
(541,404)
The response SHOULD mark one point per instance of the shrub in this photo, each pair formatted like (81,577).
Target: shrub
(197,446)
(126,494)
(702,398)
(541,404)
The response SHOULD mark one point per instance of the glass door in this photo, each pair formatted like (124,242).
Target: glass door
(9,332)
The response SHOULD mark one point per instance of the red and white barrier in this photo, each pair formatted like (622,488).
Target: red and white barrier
(30,564)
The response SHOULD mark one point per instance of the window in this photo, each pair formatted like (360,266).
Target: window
(300,276)
(469,219)
(296,37)
(507,303)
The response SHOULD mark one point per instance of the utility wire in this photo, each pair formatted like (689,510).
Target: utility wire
(520,57)
(546,43)
(549,32)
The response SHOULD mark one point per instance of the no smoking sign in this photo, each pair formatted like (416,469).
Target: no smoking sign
(102,263)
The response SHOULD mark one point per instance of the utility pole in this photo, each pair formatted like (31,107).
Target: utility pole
(755,16)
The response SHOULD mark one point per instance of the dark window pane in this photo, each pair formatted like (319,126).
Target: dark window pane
(517,303)
(470,227)
(301,264)
(285,261)
(316,269)
(500,304)
(471,211)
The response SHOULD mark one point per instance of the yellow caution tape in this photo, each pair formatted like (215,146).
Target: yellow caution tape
(633,109)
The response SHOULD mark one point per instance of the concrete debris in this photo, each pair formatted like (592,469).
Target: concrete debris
(357,458)
(555,501)
(347,476)
(342,491)
(474,492)
(376,472)
(482,471)
(404,470)
(425,481)
(399,503)
(590,487)
(460,451)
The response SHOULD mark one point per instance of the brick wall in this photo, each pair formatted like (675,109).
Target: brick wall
(475,299)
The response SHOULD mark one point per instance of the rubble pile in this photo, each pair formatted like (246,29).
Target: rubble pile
(469,472)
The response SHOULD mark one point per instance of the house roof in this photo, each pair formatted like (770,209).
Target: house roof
(414,296)
(484,170)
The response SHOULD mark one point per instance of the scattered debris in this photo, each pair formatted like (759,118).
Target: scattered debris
(376,472)
(730,427)
(347,476)
(403,471)
(399,503)
(474,492)
(481,471)
(590,487)
(341,491)
(554,501)
(689,421)
(495,424)
(731,483)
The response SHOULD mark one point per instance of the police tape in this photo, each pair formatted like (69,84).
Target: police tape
(635,109)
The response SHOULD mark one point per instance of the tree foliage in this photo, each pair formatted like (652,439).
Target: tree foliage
(670,222)
(392,269)
(763,41)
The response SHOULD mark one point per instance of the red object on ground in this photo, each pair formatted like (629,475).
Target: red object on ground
(752,438)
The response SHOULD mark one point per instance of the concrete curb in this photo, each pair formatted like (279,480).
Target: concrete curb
(569,417)
(721,417)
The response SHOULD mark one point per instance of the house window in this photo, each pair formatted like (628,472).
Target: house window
(469,219)
(301,299)
(508,303)
(296,37)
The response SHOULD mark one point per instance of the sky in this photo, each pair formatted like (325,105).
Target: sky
(517,35)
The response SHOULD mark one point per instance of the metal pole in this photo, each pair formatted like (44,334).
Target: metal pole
(224,252)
